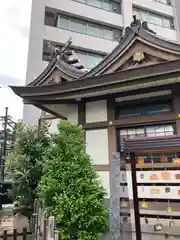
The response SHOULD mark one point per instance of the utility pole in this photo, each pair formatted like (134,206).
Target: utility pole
(3,155)
(7,138)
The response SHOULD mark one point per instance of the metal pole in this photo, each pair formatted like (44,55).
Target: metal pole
(3,155)
(5,131)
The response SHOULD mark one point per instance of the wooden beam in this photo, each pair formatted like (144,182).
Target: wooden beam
(176,106)
(135,197)
(111,127)
(102,168)
(81,113)
(132,122)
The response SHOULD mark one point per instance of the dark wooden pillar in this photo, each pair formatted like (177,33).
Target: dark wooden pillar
(176,105)
(81,113)
(111,128)
(82,116)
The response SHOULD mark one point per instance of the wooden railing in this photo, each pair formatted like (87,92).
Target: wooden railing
(25,235)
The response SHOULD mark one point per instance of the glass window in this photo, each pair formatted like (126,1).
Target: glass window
(107,5)
(153,18)
(166,23)
(78,26)
(81,1)
(94,30)
(138,14)
(164,1)
(63,22)
(147,109)
(108,34)
(144,16)
(84,27)
(93,60)
(163,130)
(89,60)
(95,3)
(83,58)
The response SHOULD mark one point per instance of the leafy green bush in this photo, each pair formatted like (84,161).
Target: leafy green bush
(24,165)
(70,186)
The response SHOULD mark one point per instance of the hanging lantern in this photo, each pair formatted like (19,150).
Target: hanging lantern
(144,204)
(171,224)
(140,160)
(158,227)
(123,204)
(169,209)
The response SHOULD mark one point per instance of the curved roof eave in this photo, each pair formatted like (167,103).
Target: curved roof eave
(71,72)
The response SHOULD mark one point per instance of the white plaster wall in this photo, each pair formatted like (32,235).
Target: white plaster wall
(104,177)
(68,110)
(72,113)
(97,146)
(96,111)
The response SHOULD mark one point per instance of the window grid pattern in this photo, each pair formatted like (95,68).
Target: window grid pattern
(150,131)
(87,59)
(143,110)
(107,5)
(88,28)
(147,131)
(167,2)
(154,18)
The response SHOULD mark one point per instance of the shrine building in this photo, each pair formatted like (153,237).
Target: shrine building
(133,92)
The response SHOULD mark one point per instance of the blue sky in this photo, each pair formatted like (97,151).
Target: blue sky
(14,27)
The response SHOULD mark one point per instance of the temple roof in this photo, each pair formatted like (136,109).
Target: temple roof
(64,61)
(137,32)
(140,60)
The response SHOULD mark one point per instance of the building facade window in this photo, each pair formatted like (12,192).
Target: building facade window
(87,59)
(146,131)
(154,18)
(167,2)
(148,109)
(112,6)
(88,28)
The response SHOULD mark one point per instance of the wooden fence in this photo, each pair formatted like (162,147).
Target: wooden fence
(15,235)
(44,225)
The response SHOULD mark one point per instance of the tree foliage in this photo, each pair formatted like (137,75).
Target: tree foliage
(24,165)
(70,186)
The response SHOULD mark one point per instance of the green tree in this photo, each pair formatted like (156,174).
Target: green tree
(24,165)
(70,186)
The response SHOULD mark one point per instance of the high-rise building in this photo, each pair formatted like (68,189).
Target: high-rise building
(96,27)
